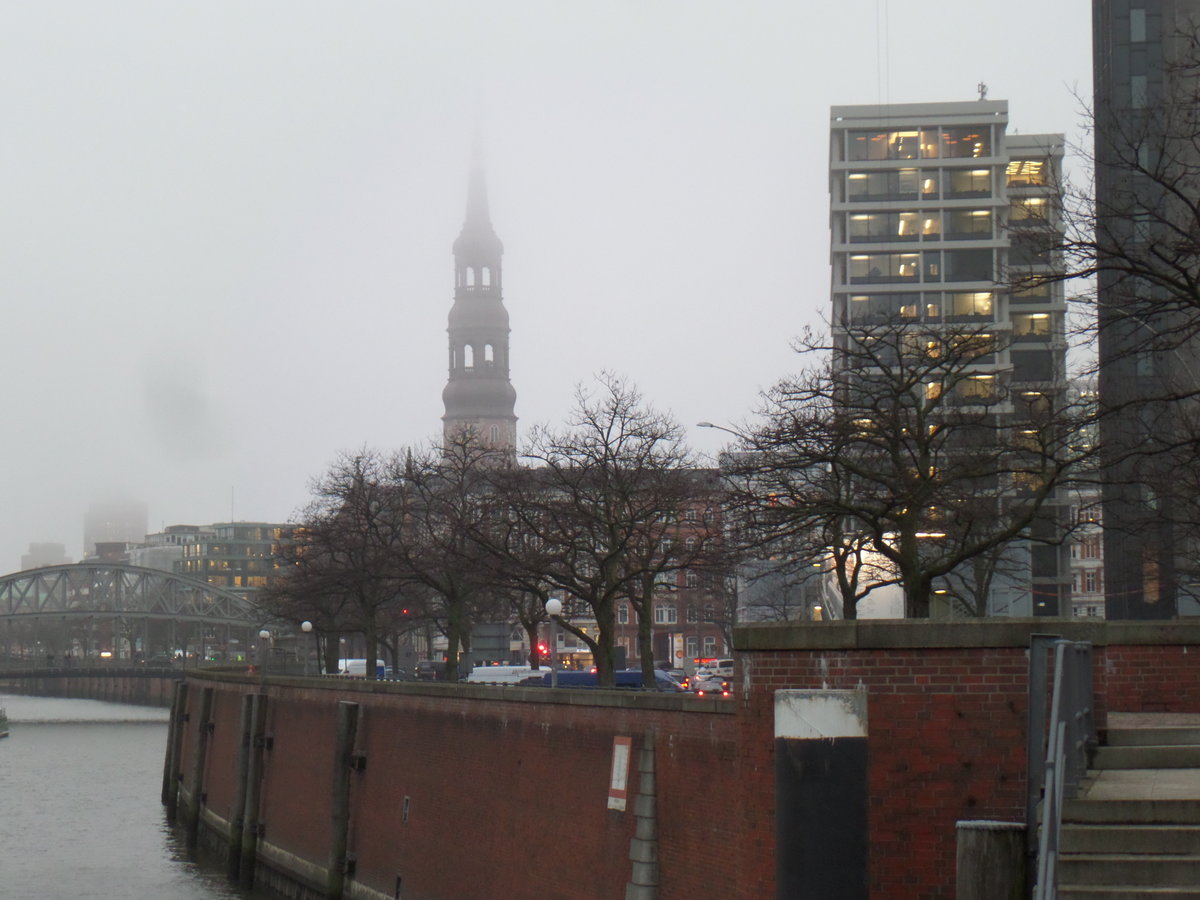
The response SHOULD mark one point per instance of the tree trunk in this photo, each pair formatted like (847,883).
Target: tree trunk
(535,658)
(646,640)
(604,645)
(371,638)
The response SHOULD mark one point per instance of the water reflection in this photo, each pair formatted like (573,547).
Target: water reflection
(80,782)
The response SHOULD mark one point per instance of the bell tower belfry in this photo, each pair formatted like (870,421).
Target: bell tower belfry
(479,397)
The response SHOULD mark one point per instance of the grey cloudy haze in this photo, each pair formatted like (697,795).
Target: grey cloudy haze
(227,223)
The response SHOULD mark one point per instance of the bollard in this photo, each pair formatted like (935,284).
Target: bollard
(168,781)
(254,774)
(196,787)
(175,751)
(241,765)
(991,861)
(346,736)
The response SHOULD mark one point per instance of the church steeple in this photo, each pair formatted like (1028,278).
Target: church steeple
(478,397)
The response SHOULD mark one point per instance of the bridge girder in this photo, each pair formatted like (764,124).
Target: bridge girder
(118,589)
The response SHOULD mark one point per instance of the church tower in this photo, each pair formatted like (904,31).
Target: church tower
(478,397)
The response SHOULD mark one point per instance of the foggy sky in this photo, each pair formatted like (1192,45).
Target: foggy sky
(227,223)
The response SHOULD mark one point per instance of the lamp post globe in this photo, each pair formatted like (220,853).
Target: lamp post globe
(306,627)
(263,637)
(553,610)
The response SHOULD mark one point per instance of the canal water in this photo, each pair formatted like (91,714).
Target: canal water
(80,807)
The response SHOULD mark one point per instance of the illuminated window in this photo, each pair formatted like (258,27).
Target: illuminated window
(1031,324)
(894,184)
(866,268)
(969,182)
(973,346)
(977,387)
(968,224)
(967,142)
(1024,209)
(1026,173)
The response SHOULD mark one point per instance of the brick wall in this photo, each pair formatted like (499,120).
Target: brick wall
(507,792)
(507,786)
(947,713)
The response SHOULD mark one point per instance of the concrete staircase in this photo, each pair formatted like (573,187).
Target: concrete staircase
(1134,830)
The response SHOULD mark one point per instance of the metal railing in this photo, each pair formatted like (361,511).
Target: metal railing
(1058,749)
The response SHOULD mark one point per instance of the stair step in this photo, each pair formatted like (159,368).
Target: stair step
(1157,736)
(1145,812)
(1130,839)
(1143,756)
(1164,870)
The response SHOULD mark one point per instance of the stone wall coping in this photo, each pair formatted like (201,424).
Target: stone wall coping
(621,699)
(871,634)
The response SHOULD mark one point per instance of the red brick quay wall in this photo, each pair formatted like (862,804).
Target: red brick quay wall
(947,705)
(475,791)
(466,790)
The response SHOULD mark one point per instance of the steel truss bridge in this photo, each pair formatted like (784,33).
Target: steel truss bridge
(124,610)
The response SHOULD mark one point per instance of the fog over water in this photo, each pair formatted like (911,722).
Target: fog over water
(227,225)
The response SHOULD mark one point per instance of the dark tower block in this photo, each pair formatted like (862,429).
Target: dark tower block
(479,397)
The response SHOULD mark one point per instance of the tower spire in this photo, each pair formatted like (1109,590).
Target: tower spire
(479,397)
(477,194)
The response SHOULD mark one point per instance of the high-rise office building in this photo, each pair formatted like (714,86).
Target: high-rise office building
(937,214)
(1147,180)
(113,521)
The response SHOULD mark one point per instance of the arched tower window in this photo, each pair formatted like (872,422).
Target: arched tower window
(488,356)
(470,277)
(468,356)
(453,358)
(487,276)
(495,434)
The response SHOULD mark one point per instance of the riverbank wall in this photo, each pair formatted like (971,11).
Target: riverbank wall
(134,686)
(325,787)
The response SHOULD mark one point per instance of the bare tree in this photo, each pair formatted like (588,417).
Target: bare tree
(340,570)
(589,519)
(898,451)
(448,501)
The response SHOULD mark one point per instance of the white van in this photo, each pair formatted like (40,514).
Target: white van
(502,674)
(716,668)
(357,668)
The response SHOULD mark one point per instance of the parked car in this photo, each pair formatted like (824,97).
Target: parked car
(712,687)
(431,670)
(625,679)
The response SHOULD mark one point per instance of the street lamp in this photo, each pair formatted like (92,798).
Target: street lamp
(263,637)
(553,610)
(718,428)
(306,627)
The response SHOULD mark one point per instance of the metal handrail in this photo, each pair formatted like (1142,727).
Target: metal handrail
(1059,748)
